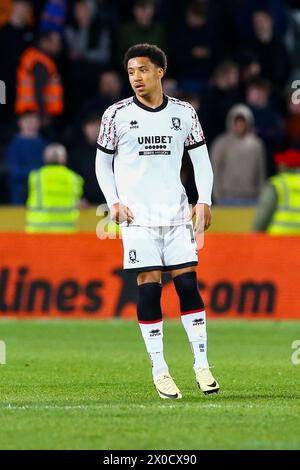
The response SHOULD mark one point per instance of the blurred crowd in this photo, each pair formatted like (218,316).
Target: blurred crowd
(236,61)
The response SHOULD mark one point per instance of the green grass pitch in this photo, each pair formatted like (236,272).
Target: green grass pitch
(87,385)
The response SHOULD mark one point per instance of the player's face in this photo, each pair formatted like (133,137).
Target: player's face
(144,76)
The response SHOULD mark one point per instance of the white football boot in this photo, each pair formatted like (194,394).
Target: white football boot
(206,381)
(166,387)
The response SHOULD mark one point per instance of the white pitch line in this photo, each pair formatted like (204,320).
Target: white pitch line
(180,405)
(76,407)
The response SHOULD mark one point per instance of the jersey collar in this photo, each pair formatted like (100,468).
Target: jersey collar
(152,110)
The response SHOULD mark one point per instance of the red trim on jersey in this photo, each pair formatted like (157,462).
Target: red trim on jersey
(149,322)
(193,311)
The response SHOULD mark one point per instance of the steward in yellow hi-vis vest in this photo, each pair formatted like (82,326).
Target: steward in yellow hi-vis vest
(54,195)
(278,212)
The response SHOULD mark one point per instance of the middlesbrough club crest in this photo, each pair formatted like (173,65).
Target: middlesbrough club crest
(176,124)
(132,257)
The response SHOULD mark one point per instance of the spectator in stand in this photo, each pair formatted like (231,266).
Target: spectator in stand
(88,39)
(142,29)
(243,10)
(5,11)
(278,211)
(39,86)
(15,36)
(292,121)
(90,43)
(270,51)
(221,96)
(54,16)
(109,91)
(238,160)
(82,160)
(293,40)
(250,68)
(192,52)
(267,121)
(23,154)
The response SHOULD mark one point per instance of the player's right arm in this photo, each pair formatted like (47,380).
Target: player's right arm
(106,179)
(106,147)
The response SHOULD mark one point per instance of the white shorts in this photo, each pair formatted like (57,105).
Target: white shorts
(159,248)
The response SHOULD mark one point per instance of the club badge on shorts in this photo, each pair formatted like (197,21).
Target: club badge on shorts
(132,257)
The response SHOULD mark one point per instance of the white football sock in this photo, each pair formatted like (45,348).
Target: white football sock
(153,337)
(195,327)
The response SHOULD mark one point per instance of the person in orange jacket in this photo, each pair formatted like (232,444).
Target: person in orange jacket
(39,87)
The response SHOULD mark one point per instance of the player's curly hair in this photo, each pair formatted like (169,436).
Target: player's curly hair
(154,53)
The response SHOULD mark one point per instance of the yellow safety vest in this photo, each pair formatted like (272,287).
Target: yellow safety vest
(286,218)
(54,194)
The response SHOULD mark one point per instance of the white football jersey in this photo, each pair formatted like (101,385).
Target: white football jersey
(148,146)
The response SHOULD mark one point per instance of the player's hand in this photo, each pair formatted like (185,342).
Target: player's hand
(203,217)
(121,213)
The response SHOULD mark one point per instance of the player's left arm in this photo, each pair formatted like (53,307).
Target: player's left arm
(204,182)
(197,149)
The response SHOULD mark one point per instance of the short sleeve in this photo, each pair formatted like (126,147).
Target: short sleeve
(107,139)
(195,137)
